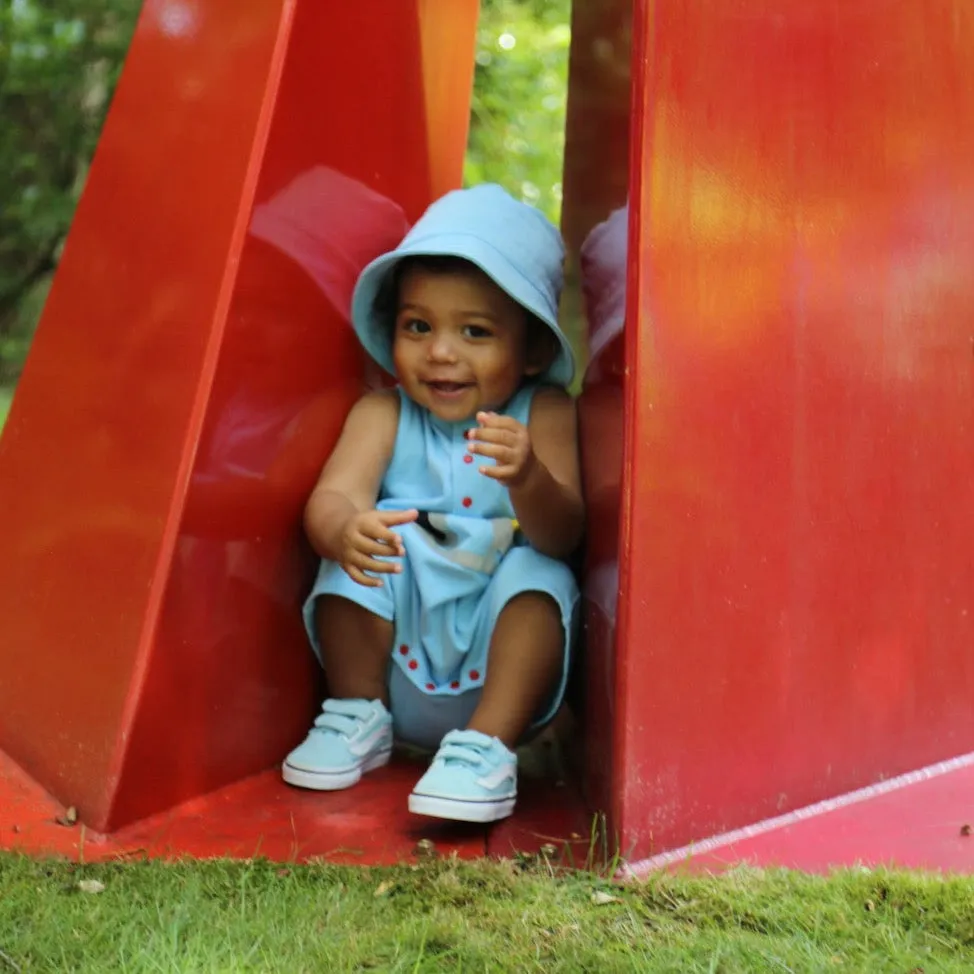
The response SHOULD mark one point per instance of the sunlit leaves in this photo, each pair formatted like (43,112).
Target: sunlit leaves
(517,136)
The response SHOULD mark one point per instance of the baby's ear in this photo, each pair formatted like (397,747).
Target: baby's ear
(542,347)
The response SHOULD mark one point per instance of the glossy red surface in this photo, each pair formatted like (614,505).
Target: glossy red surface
(921,823)
(919,826)
(258,816)
(595,225)
(261,816)
(776,422)
(193,366)
(795,413)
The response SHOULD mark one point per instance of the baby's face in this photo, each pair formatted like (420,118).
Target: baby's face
(459,343)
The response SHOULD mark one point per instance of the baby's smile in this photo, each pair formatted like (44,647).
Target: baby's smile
(443,387)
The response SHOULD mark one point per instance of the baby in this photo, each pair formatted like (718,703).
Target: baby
(443,612)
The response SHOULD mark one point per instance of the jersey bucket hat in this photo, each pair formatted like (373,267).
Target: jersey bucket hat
(515,245)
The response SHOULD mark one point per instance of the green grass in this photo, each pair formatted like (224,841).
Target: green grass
(486,916)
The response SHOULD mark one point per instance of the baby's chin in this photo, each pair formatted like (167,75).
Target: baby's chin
(452,415)
(461,413)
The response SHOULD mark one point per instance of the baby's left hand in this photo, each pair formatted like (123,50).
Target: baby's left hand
(508,443)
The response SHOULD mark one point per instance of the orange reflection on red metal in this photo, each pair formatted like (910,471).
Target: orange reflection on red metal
(796,588)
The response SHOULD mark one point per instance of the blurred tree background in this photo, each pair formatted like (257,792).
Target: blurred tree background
(517,125)
(60,59)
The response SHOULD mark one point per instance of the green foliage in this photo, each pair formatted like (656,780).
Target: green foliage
(6,397)
(58,66)
(59,60)
(517,134)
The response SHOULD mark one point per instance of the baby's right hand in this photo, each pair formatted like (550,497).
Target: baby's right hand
(367,536)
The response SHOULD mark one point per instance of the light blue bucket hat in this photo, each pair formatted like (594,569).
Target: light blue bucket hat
(514,244)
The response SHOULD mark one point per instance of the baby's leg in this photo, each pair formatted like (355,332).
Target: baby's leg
(355,648)
(525,662)
(353,733)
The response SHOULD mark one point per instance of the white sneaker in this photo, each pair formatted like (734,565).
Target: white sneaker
(349,737)
(473,778)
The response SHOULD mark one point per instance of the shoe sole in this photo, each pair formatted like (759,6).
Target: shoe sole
(332,780)
(461,811)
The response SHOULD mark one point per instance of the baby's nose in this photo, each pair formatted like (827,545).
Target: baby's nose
(441,349)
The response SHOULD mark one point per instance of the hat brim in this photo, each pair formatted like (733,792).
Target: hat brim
(376,336)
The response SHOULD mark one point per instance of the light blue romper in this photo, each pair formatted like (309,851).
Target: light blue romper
(464,561)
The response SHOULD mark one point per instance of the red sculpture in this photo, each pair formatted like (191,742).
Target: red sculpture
(769,208)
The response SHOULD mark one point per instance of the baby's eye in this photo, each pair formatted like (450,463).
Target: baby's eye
(476,331)
(416,326)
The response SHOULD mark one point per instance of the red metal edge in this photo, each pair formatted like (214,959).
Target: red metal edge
(639,190)
(197,418)
(918,820)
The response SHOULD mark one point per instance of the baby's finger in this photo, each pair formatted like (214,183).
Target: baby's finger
(483,435)
(497,451)
(378,530)
(500,472)
(366,563)
(375,546)
(389,518)
(357,576)
(496,421)
(377,534)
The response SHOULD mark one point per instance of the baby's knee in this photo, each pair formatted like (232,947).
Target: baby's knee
(523,566)
(337,625)
(335,612)
(537,607)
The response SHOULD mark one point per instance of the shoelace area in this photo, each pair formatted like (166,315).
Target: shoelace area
(467,752)
(340,717)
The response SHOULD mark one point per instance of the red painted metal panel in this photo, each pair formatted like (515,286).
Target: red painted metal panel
(796,618)
(96,441)
(919,820)
(331,195)
(595,224)
(259,816)
(191,370)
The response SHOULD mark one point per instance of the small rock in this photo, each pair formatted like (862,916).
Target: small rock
(869,906)
(601,898)
(91,886)
(425,848)
(69,818)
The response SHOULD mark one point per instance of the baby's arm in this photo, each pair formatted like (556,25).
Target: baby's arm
(549,503)
(539,465)
(340,517)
